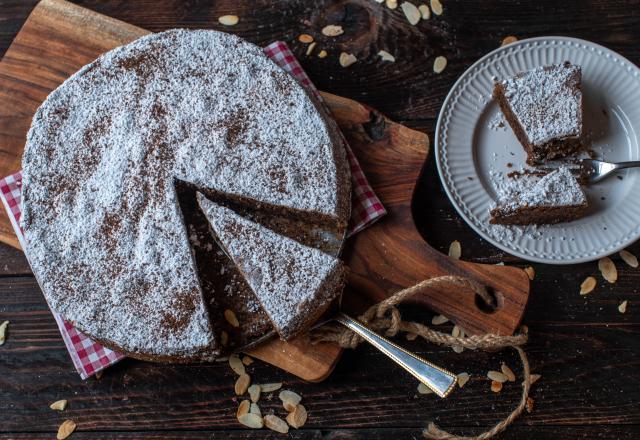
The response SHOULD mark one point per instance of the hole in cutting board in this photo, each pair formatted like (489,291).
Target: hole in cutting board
(484,306)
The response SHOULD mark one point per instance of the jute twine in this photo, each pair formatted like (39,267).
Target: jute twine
(385,317)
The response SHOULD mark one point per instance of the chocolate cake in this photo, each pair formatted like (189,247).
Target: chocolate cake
(538,198)
(543,106)
(104,232)
(294,283)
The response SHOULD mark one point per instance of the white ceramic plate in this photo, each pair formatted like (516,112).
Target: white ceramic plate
(468,147)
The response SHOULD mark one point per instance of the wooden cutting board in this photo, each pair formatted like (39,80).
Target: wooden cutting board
(59,37)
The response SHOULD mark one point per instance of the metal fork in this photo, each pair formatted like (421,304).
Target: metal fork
(592,170)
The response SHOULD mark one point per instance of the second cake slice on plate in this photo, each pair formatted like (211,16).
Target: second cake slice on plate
(294,283)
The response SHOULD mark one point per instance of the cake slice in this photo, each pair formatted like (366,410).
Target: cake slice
(536,198)
(543,106)
(294,283)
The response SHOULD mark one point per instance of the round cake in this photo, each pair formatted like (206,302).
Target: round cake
(104,232)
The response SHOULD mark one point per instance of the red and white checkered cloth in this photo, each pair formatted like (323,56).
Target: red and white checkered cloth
(88,356)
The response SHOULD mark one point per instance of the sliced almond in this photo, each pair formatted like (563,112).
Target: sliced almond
(425,12)
(411,12)
(310,48)
(530,271)
(629,258)
(391,4)
(59,405)
(455,332)
(508,372)
(386,56)
(533,378)
(347,59)
(332,30)
(436,7)
(529,405)
(251,420)
(463,378)
(276,424)
(243,408)
(622,308)
(587,285)
(423,389)
(439,64)
(608,269)
(455,250)
(247,360)
(231,318)
(289,399)
(496,386)
(242,384)
(439,319)
(66,429)
(497,376)
(228,20)
(457,349)
(3,331)
(224,338)
(255,409)
(236,364)
(508,40)
(270,387)
(322,54)
(298,417)
(254,392)
(305,38)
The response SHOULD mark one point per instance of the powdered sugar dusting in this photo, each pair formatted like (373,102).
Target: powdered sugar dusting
(293,282)
(547,102)
(104,232)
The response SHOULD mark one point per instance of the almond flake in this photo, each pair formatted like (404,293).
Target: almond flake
(66,429)
(251,420)
(587,285)
(347,59)
(236,364)
(276,424)
(305,38)
(455,250)
(629,258)
(391,4)
(497,376)
(455,332)
(242,384)
(436,7)
(463,378)
(254,392)
(508,40)
(529,405)
(439,319)
(608,269)
(425,12)
(386,56)
(229,20)
(533,378)
(243,408)
(322,54)
(310,48)
(255,409)
(58,405)
(496,386)
(247,360)
(332,30)
(411,12)
(224,338)
(289,399)
(411,336)
(439,64)
(231,318)
(423,389)
(298,417)
(530,271)
(511,377)
(622,308)
(457,349)
(3,331)
(270,387)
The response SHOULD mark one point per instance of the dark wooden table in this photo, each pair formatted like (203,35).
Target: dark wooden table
(587,352)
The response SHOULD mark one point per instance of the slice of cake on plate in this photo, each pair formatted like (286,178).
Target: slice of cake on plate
(538,198)
(294,283)
(543,106)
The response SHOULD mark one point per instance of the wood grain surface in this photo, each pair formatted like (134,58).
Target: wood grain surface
(587,352)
